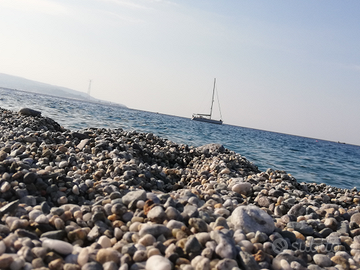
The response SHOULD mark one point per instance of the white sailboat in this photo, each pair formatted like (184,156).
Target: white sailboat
(207,117)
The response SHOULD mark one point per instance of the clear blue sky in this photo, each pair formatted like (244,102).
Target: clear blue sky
(284,66)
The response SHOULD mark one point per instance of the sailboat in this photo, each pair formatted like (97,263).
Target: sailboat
(207,117)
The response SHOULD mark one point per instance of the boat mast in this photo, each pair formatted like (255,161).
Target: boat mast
(212,101)
(89,90)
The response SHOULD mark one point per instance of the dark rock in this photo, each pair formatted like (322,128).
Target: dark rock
(29,112)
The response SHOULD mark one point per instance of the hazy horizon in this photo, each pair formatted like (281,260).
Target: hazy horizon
(287,67)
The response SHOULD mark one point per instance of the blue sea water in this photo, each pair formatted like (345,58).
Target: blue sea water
(308,160)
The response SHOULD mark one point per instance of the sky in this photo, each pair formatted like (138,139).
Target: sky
(285,66)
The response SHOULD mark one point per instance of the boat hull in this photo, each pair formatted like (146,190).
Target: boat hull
(207,120)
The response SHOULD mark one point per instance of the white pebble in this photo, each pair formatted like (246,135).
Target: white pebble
(83,257)
(158,262)
(104,241)
(5,187)
(59,246)
(63,200)
(63,164)
(75,190)
(140,204)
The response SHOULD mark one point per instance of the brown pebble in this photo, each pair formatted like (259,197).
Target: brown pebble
(260,256)
(341,261)
(180,261)
(56,264)
(6,260)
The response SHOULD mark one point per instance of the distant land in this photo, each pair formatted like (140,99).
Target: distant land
(19,83)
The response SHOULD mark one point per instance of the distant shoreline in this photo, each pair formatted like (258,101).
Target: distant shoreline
(98,101)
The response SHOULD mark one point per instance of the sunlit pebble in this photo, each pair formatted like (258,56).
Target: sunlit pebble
(104,241)
(75,190)
(118,233)
(140,256)
(59,224)
(42,219)
(14,183)
(78,214)
(48,168)
(34,214)
(62,200)
(140,204)
(5,187)
(152,252)
(66,216)
(83,256)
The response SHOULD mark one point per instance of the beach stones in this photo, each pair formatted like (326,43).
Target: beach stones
(111,199)
(251,218)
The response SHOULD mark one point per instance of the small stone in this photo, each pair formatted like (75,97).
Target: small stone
(63,164)
(355,218)
(155,230)
(134,195)
(264,201)
(337,259)
(29,112)
(248,262)
(192,245)
(2,247)
(8,208)
(200,262)
(297,210)
(104,241)
(243,188)
(110,266)
(199,224)
(70,266)
(140,256)
(158,262)
(147,240)
(251,218)
(276,263)
(322,260)
(108,254)
(17,264)
(331,223)
(156,214)
(226,264)
(57,264)
(92,266)
(59,246)
(83,257)
(6,260)
(37,263)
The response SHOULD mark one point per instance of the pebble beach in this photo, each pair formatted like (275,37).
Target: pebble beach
(111,199)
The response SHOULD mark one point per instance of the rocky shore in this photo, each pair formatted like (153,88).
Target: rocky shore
(106,199)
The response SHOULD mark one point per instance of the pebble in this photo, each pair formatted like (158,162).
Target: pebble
(59,246)
(322,260)
(158,262)
(251,218)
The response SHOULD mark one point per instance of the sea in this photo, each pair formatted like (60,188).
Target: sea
(308,160)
